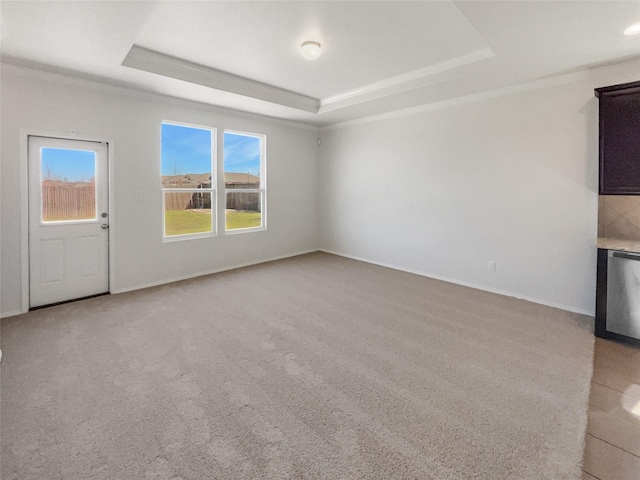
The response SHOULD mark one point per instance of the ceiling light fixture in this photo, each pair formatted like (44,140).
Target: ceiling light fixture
(633,29)
(310,50)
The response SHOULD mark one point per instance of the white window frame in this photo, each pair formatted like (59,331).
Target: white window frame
(212,190)
(262,190)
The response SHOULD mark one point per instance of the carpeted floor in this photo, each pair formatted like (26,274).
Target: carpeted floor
(315,367)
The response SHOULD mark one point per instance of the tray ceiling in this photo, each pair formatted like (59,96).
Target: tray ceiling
(377,56)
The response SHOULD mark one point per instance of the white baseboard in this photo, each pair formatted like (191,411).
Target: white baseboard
(209,272)
(353,257)
(465,284)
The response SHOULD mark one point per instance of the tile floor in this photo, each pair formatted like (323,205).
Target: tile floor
(612,450)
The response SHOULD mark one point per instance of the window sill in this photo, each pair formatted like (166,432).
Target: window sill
(236,231)
(188,236)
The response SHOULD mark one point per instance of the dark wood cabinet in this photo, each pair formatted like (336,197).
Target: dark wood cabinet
(619,139)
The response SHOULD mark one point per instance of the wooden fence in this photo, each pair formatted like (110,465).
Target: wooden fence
(186,200)
(243,201)
(70,201)
(75,201)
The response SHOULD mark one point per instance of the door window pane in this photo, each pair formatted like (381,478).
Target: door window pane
(187,213)
(68,180)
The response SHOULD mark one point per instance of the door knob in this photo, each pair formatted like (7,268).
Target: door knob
(105,226)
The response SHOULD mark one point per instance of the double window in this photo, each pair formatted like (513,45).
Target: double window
(188,168)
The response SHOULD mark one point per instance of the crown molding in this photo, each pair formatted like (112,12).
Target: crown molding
(400,83)
(68,78)
(627,64)
(160,64)
(165,65)
(43,72)
(475,97)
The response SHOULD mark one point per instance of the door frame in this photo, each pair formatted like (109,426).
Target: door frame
(24,202)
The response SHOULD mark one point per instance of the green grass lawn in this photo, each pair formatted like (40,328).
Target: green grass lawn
(183,222)
(243,219)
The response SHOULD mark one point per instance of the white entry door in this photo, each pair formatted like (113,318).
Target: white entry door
(68,220)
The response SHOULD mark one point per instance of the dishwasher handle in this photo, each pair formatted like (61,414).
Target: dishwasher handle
(627,256)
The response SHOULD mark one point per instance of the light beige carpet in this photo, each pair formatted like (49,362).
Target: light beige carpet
(315,367)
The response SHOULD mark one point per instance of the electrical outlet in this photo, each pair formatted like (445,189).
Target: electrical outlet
(491,265)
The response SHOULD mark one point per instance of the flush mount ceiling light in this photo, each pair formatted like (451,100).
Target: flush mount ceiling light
(310,50)
(633,29)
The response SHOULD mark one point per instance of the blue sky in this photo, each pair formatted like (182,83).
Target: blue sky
(185,150)
(188,150)
(68,165)
(241,154)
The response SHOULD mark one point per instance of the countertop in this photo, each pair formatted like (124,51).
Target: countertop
(619,244)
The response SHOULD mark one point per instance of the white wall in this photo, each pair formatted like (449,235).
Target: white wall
(507,177)
(132,121)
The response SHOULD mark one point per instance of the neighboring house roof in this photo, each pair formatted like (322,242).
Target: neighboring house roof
(195,180)
(58,183)
(189,180)
(238,177)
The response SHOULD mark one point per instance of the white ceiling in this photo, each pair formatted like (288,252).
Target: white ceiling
(377,56)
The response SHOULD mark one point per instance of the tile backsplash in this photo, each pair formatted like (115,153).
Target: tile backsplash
(619,216)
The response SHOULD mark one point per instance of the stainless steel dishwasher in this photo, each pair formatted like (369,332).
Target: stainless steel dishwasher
(623,294)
